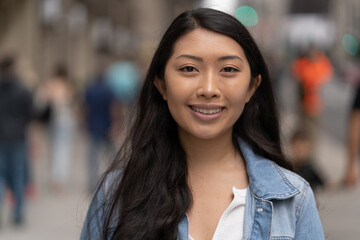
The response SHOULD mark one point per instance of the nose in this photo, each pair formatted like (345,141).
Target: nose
(208,86)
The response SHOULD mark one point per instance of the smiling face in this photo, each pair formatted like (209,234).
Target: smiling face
(206,84)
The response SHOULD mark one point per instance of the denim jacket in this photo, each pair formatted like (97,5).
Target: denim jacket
(280,205)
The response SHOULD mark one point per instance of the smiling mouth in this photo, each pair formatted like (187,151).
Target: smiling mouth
(207,111)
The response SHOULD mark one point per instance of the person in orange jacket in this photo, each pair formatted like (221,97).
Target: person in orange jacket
(312,71)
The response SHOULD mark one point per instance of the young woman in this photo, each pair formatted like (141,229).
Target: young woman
(203,159)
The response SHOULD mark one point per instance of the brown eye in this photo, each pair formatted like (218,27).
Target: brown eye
(188,69)
(229,69)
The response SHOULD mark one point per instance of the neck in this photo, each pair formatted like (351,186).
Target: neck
(209,154)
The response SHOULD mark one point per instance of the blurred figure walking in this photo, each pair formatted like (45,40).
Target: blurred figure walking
(312,69)
(15,117)
(123,77)
(99,106)
(60,94)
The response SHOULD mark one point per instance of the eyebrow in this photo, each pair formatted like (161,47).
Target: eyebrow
(199,59)
(230,58)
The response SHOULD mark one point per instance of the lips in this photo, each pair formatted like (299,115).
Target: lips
(207,111)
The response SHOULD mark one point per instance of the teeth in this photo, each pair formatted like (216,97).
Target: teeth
(207,111)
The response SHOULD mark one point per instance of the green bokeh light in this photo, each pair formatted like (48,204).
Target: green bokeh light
(350,44)
(247,16)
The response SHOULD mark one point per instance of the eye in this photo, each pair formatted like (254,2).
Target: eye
(229,69)
(188,69)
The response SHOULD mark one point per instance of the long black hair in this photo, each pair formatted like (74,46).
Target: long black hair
(149,196)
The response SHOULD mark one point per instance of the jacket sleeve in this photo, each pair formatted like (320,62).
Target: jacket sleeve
(93,227)
(308,219)
(93,224)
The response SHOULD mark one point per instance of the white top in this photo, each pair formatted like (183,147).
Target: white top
(230,225)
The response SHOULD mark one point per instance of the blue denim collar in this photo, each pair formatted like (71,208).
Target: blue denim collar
(267,180)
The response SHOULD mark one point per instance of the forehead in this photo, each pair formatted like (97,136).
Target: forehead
(204,42)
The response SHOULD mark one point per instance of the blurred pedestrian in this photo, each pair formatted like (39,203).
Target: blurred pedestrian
(99,106)
(61,96)
(15,117)
(123,77)
(352,169)
(312,70)
(301,157)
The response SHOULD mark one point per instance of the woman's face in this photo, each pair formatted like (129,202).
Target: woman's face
(206,84)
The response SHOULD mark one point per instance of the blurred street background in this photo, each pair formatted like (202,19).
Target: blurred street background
(80,64)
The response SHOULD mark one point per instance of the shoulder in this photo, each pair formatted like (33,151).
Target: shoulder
(297,215)
(100,207)
(294,179)
(112,181)
(305,194)
(107,188)
(299,183)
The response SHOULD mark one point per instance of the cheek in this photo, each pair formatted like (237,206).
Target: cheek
(237,97)
(178,90)
(176,94)
(176,100)
(238,102)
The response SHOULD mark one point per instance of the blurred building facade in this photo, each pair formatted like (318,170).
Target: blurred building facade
(78,33)
(45,33)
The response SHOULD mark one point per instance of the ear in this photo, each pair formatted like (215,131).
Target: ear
(252,88)
(160,85)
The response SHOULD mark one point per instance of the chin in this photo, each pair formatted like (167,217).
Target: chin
(206,135)
(205,132)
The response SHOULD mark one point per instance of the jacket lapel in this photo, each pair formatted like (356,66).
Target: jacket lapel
(267,180)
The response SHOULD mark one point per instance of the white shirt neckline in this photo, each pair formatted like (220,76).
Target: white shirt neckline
(236,208)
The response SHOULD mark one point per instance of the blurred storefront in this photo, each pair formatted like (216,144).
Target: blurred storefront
(80,33)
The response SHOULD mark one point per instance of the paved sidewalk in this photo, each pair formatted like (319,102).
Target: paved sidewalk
(50,218)
(339,209)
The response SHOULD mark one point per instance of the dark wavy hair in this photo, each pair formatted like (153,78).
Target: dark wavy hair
(151,196)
